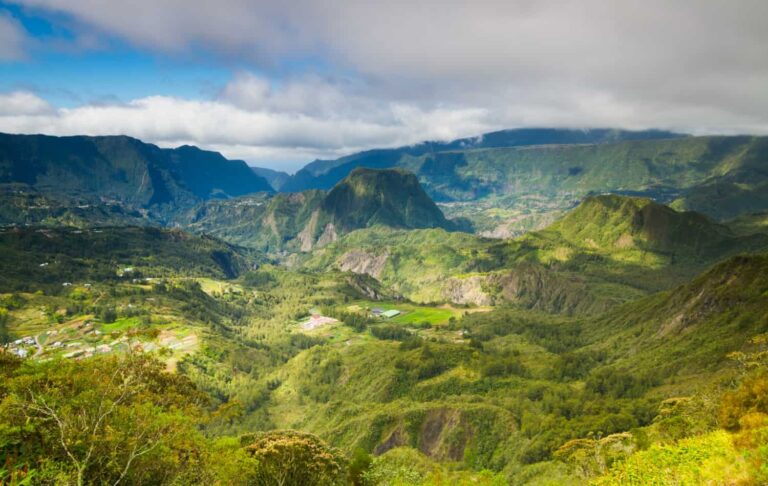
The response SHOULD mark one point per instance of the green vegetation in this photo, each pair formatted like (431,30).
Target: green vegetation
(302,221)
(514,181)
(80,174)
(609,250)
(502,184)
(624,343)
(55,259)
(324,174)
(125,420)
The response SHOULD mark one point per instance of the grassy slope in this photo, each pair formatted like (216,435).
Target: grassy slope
(693,327)
(610,249)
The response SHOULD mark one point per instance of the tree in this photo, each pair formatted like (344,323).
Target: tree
(295,458)
(360,463)
(107,420)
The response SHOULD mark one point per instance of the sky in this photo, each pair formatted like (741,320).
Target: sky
(279,84)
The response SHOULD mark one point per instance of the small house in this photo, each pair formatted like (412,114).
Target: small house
(377,311)
(316,321)
(390,313)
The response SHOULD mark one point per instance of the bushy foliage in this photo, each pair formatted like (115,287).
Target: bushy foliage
(291,457)
(113,419)
(390,332)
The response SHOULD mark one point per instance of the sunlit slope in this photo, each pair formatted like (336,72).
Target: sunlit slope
(608,250)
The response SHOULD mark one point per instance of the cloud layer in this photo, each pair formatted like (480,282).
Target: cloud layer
(422,70)
(284,128)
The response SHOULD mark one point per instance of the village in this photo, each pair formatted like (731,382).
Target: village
(84,339)
(317,320)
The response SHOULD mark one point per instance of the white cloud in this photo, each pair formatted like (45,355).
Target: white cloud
(11,39)
(684,58)
(276,135)
(22,103)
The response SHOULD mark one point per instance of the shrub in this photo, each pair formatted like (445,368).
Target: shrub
(292,457)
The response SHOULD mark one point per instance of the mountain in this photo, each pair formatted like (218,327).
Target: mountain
(323,174)
(692,327)
(310,219)
(505,389)
(615,223)
(609,250)
(275,178)
(209,175)
(121,170)
(501,184)
(506,190)
(737,186)
(368,197)
(577,347)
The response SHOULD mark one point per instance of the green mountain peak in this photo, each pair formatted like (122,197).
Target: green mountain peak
(389,197)
(621,222)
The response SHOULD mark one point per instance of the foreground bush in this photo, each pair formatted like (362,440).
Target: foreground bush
(108,420)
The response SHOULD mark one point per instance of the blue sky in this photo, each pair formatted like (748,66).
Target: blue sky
(282,83)
(68,75)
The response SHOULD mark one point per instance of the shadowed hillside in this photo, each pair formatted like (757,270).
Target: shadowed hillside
(52,257)
(507,184)
(72,171)
(323,174)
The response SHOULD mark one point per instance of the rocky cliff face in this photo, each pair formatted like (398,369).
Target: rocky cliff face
(363,262)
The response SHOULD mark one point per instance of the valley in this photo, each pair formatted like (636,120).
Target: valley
(561,315)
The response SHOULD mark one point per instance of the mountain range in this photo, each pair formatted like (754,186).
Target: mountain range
(507,190)
(120,169)
(500,184)
(323,174)
(608,250)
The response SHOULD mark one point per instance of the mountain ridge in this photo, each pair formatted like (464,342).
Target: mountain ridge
(381,158)
(123,169)
(507,190)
